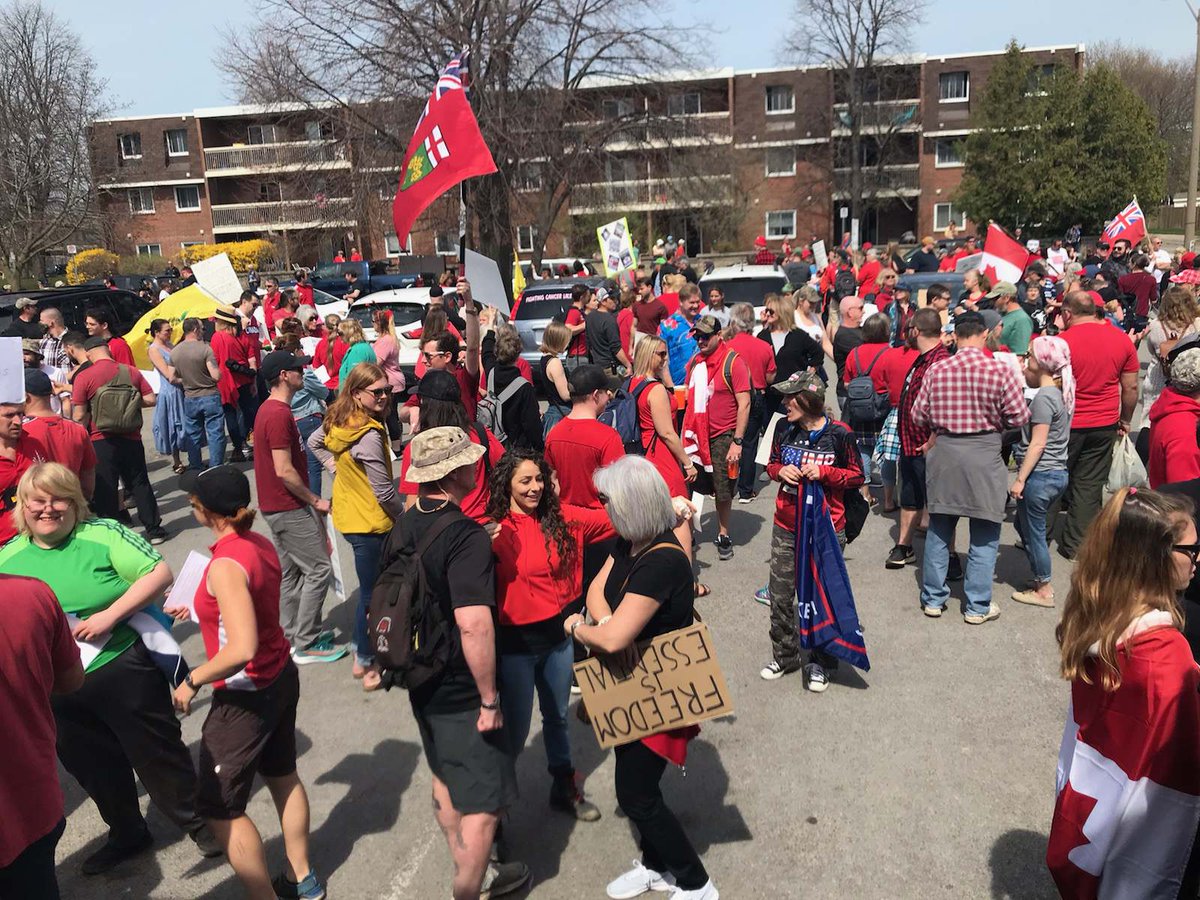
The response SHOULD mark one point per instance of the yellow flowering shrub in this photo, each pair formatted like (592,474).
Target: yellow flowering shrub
(89,264)
(243,255)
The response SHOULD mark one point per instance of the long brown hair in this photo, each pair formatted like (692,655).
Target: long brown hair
(1177,309)
(548,513)
(437,323)
(346,411)
(1124,567)
(332,321)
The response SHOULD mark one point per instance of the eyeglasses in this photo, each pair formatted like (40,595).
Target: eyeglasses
(429,356)
(1191,551)
(661,354)
(52,503)
(377,393)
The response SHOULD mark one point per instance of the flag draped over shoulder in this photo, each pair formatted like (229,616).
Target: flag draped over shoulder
(446,148)
(828,619)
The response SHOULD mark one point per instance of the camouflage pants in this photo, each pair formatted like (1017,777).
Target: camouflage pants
(785,640)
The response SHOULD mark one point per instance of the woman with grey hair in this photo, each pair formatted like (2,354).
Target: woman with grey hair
(519,412)
(644,590)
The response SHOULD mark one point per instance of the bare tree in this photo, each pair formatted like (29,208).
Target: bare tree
(49,94)
(862,42)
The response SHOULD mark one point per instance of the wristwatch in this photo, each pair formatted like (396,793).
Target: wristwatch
(491,707)
(187,679)
(575,626)
(738,441)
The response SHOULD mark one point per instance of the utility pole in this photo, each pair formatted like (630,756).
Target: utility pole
(1189,226)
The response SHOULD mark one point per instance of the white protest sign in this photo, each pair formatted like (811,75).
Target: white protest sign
(216,276)
(487,287)
(187,582)
(616,247)
(763,456)
(820,256)
(335,560)
(12,371)
(153,379)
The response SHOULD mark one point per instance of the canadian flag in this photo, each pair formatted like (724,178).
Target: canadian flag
(1128,801)
(1003,258)
(695,416)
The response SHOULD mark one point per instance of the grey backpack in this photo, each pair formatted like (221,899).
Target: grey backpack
(489,412)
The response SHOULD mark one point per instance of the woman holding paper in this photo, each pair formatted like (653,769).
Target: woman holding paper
(644,590)
(121,721)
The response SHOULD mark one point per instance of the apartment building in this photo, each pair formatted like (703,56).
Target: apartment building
(715,157)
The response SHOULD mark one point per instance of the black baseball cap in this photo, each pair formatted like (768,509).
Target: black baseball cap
(277,362)
(969,317)
(222,489)
(37,383)
(438,384)
(587,379)
(95,343)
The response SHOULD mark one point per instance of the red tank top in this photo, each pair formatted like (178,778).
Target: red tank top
(257,557)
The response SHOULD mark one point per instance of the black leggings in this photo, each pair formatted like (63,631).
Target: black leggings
(665,847)
(31,875)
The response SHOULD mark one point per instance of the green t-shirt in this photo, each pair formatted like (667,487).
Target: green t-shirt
(1016,330)
(88,572)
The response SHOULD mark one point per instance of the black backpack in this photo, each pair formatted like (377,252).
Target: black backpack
(409,632)
(844,284)
(621,414)
(863,404)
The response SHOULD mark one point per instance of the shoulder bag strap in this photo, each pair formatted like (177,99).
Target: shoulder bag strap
(434,533)
(637,559)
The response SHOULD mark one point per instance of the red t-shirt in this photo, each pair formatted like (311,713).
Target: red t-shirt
(304,293)
(11,471)
(893,367)
(252,339)
(257,557)
(575,449)
(474,505)
(270,308)
(1143,287)
(625,328)
(669,299)
(722,401)
(649,315)
(55,439)
(759,356)
(120,351)
(89,381)
(866,277)
(1100,354)
(275,429)
(35,646)
(226,348)
(578,345)
(865,353)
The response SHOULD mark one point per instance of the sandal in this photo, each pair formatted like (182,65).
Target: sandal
(702,590)
(179,468)
(372,680)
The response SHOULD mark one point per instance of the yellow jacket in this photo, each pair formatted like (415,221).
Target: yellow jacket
(356,506)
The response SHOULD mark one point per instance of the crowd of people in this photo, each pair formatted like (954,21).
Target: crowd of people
(543,533)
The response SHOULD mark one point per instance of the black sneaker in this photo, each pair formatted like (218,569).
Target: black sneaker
(954,570)
(112,854)
(206,842)
(156,536)
(900,557)
(724,546)
(237,456)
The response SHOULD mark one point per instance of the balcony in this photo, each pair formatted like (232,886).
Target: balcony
(254,159)
(652,194)
(661,132)
(892,181)
(883,117)
(283,215)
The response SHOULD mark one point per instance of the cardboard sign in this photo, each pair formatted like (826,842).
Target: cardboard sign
(487,287)
(676,682)
(616,247)
(12,371)
(216,276)
(820,255)
(967,263)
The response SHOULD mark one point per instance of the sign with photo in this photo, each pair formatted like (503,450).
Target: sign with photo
(616,247)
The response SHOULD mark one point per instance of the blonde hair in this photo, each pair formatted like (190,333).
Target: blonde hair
(1177,309)
(1124,566)
(785,311)
(56,480)
(555,338)
(383,316)
(351,331)
(673,283)
(645,358)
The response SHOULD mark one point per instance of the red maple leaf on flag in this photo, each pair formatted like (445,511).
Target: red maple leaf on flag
(991,274)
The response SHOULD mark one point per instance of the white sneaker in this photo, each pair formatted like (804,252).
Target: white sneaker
(708,892)
(773,671)
(638,881)
(818,680)
(977,619)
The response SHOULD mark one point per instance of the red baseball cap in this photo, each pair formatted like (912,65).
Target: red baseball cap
(760,241)
(1185,261)
(1097,299)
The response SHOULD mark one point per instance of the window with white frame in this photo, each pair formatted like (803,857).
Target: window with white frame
(947,154)
(528,177)
(131,145)
(617,108)
(176,142)
(149,250)
(141,200)
(318,130)
(780,98)
(445,244)
(260,134)
(781,161)
(183,245)
(781,223)
(525,238)
(684,104)
(945,213)
(391,245)
(954,87)
(187,198)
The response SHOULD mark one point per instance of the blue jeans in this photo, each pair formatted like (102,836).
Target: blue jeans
(980,568)
(550,674)
(367,550)
(306,426)
(205,420)
(1042,490)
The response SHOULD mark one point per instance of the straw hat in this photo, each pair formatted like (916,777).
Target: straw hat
(226,314)
(436,453)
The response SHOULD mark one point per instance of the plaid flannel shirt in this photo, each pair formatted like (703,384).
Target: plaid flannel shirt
(54,353)
(970,393)
(912,435)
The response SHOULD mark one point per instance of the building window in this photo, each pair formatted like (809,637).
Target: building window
(187,198)
(781,224)
(619,108)
(183,245)
(445,244)
(781,161)
(780,98)
(684,104)
(131,145)
(318,131)
(954,87)
(141,200)
(391,245)
(149,250)
(270,192)
(947,155)
(529,177)
(620,168)
(177,142)
(525,238)
(261,134)
(945,213)
(1039,80)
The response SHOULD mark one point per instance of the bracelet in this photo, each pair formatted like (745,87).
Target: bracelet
(609,618)
(491,707)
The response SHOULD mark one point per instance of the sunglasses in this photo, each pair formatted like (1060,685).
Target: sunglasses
(429,356)
(661,354)
(603,498)
(377,393)
(1191,551)
(770,312)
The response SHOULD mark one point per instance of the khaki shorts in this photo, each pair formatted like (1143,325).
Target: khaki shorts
(724,487)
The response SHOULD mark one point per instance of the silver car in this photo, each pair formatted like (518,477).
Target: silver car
(538,305)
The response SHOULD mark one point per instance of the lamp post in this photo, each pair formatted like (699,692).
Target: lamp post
(1189,225)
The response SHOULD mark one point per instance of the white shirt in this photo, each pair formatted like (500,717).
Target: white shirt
(1057,260)
(1156,257)
(163,295)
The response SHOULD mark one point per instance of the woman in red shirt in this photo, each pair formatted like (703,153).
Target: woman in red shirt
(236,384)
(251,723)
(539,575)
(330,350)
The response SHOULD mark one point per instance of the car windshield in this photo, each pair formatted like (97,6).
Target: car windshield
(544,303)
(320,298)
(403,314)
(744,290)
(331,270)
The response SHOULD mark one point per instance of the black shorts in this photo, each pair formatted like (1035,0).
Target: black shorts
(477,768)
(912,482)
(246,733)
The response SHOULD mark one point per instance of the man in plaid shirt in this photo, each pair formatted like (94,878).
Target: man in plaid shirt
(926,324)
(53,351)
(966,402)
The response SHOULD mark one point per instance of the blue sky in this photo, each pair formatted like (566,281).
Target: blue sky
(157,57)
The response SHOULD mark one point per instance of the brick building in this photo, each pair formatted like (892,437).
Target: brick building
(715,157)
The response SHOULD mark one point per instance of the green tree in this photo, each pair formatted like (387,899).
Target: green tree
(1050,147)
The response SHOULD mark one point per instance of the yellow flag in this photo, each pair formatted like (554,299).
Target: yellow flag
(191,302)
(518,277)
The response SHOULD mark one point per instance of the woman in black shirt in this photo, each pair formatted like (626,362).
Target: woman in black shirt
(519,415)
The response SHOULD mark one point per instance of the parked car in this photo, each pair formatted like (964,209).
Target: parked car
(407,306)
(554,263)
(540,302)
(373,276)
(126,307)
(744,283)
